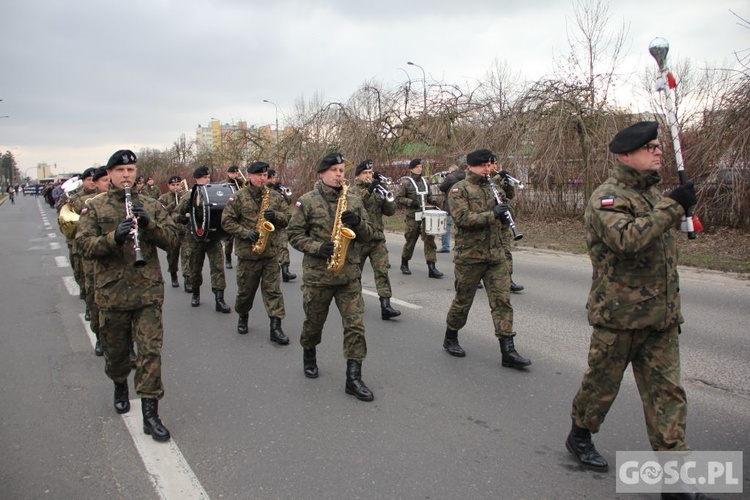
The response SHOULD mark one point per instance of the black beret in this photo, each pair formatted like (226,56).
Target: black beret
(271,172)
(258,167)
(88,172)
(415,162)
(233,168)
(121,157)
(139,179)
(365,165)
(476,158)
(201,172)
(329,161)
(174,179)
(99,173)
(634,137)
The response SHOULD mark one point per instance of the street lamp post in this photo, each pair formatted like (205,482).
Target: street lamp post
(424,83)
(277,120)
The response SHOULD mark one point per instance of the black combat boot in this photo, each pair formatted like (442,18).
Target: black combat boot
(152,425)
(310,363)
(405,266)
(277,334)
(242,327)
(450,343)
(287,275)
(228,261)
(511,358)
(188,286)
(221,306)
(354,383)
(433,272)
(386,311)
(122,398)
(98,347)
(580,445)
(195,301)
(514,287)
(87,314)
(175,281)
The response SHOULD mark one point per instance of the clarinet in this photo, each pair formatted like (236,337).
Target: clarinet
(139,260)
(506,216)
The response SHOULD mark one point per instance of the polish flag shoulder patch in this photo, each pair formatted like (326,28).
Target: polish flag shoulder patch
(298,204)
(230,199)
(454,190)
(84,211)
(607,201)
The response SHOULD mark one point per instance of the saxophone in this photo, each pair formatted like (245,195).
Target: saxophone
(263,226)
(341,236)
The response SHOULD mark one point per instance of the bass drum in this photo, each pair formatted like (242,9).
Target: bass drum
(207,201)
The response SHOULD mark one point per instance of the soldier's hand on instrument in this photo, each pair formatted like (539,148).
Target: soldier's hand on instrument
(270,215)
(416,204)
(326,249)
(141,215)
(500,209)
(122,231)
(253,235)
(373,185)
(350,218)
(684,195)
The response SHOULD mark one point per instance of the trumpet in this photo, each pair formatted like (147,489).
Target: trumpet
(381,188)
(512,180)
(285,191)
(382,178)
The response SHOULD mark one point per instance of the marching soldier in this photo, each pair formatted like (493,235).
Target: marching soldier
(234,179)
(198,251)
(479,256)
(311,228)
(257,248)
(413,194)
(284,261)
(151,189)
(129,297)
(377,205)
(634,302)
(170,201)
(501,180)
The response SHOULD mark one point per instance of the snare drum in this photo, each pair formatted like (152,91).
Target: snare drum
(435,222)
(207,201)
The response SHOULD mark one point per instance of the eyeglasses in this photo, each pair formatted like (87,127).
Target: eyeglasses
(653,147)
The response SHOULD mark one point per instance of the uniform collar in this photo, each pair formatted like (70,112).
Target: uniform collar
(475,178)
(632,177)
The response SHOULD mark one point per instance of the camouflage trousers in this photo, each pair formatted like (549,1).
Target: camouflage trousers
(506,239)
(316,302)
(228,247)
(413,231)
(76,262)
(283,247)
(497,286)
(174,256)
(90,286)
(144,326)
(377,251)
(265,274)
(655,357)
(198,251)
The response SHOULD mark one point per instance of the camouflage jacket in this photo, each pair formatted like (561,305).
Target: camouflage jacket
(311,225)
(151,191)
(478,233)
(170,200)
(406,194)
(119,285)
(376,207)
(632,249)
(77,203)
(240,216)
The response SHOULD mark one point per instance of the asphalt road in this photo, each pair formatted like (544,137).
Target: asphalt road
(250,425)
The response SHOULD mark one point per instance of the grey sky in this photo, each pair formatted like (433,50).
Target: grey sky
(83,78)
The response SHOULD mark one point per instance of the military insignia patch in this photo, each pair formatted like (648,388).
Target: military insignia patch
(230,200)
(607,201)
(454,190)
(84,211)
(298,204)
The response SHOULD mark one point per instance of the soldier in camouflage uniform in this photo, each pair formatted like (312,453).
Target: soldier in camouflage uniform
(151,189)
(284,261)
(377,206)
(409,196)
(198,250)
(479,256)
(240,219)
(73,254)
(129,297)
(634,302)
(235,180)
(170,201)
(311,232)
(501,180)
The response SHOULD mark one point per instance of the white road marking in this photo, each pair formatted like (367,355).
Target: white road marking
(71,285)
(62,261)
(51,235)
(54,246)
(401,303)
